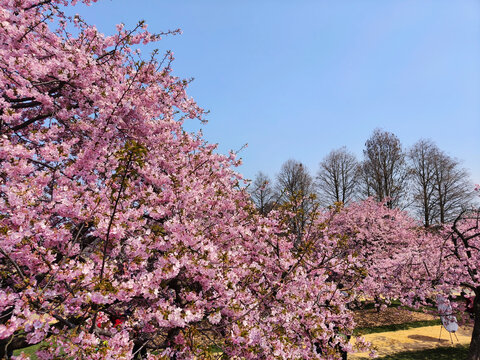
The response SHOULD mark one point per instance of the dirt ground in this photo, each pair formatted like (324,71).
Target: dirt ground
(422,338)
(427,337)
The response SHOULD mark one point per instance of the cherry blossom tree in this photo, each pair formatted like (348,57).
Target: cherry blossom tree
(461,264)
(124,236)
(445,262)
(372,252)
(377,250)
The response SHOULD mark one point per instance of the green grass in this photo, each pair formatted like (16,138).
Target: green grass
(29,351)
(458,352)
(396,327)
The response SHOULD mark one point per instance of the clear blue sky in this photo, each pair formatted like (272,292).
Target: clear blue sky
(296,79)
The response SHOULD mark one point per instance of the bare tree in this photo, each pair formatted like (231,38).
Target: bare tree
(441,188)
(454,191)
(384,168)
(365,190)
(337,177)
(295,189)
(262,193)
(422,157)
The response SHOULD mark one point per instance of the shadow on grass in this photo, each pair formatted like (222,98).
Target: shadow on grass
(396,327)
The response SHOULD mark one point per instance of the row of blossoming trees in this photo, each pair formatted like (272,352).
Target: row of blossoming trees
(123,236)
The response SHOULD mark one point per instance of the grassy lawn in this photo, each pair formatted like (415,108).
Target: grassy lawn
(458,352)
(396,327)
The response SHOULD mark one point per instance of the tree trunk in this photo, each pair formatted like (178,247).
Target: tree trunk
(8,345)
(474,350)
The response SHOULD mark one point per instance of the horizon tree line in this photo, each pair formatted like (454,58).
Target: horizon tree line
(422,179)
